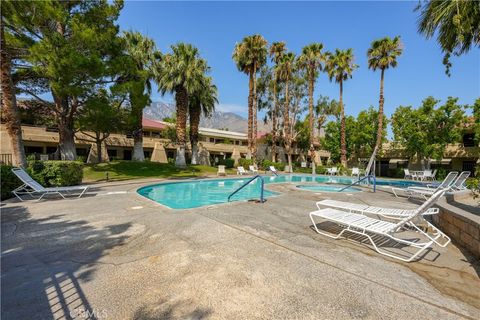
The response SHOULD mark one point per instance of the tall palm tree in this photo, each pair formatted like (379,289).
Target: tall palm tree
(340,67)
(10,111)
(311,60)
(382,55)
(250,55)
(202,101)
(286,68)
(181,72)
(456,24)
(141,50)
(277,50)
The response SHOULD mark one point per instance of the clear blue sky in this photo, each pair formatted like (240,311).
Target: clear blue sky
(215,27)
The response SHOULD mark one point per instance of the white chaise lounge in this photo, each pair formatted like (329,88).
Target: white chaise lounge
(272,168)
(371,228)
(33,188)
(241,171)
(252,169)
(427,191)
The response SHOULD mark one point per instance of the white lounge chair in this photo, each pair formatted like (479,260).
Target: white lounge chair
(408,175)
(427,191)
(272,168)
(332,171)
(32,187)
(355,172)
(221,171)
(459,183)
(252,169)
(369,227)
(241,171)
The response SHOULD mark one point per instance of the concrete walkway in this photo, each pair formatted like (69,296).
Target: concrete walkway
(116,255)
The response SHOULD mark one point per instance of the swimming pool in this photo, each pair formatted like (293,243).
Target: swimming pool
(327,188)
(198,193)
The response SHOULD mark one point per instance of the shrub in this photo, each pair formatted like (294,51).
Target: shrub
(441,174)
(8,181)
(265,165)
(56,173)
(245,162)
(228,163)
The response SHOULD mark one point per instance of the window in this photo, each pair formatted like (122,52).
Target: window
(51,150)
(469,140)
(112,153)
(212,140)
(30,150)
(219,141)
(82,152)
(156,134)
(146,133)
(468,166)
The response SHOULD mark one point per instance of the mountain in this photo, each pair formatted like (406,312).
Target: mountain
(219,120)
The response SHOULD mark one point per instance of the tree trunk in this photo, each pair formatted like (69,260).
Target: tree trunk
(10,110)
(286,127)
(138,154)
(181,100)
(250,112)
(254,115)
(99,147)
(66,132)
(311,83)
(194,112)
(289,157)
(343,144)
(380,113)
(274,122)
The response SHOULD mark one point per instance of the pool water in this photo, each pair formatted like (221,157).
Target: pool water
(198,193)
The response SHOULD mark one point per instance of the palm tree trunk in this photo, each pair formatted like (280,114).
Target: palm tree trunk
(310,120)
(138,154)
(250,113)
(181,100)
(10,111)
(194,112)
(254,115)
(274,122)
(343,144)
(286,128)
(380,113)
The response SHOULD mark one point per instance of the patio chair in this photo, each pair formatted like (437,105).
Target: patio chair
(332,171)
(221,171)
(252,170)
(272,168)
(408,175)
(32,187)
(428,190)
(371,228)
(241,171)
(355,172)
(459,183)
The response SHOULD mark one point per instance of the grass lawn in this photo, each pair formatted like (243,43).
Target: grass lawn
(124,170)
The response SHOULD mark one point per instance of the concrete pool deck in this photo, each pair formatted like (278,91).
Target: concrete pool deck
(117,255)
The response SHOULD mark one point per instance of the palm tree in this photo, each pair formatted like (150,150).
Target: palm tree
(382,55)
(277,50)
(340,67)
(250,55)
(181,72)
(311,61)
(141,50)
(286,68)
(456,23)
(202,101)
(10,112)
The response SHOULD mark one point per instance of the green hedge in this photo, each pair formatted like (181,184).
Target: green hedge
(280,166)
(228,163)
(242,162)
(56,173)
(8,181)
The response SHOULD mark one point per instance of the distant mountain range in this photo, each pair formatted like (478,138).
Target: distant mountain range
(219,120)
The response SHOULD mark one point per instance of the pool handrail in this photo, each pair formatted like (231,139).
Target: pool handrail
(262,200)
(360,180)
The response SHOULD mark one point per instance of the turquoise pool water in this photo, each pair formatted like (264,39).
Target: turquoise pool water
(198,193)
(327,188)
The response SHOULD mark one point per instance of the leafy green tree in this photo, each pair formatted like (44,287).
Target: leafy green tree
(382,55)
(456,24)
(100,116)
(139,56)
(70,48)
(366,131)
(250,55)
(324,109)
(332,139)
(340,67)
(200,102)
(312,60)
(426,131)
(182,73)
(10,110)
(476,121)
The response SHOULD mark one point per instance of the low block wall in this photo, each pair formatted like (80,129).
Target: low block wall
(462,225)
